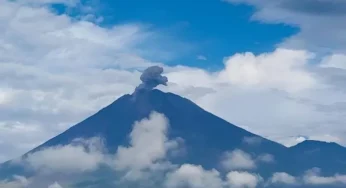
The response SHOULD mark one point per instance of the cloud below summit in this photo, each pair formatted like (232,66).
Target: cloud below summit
(145,161)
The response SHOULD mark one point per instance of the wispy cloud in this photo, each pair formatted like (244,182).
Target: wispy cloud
(238,160)
(202,58)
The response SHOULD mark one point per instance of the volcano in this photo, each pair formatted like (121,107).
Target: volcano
(206,136)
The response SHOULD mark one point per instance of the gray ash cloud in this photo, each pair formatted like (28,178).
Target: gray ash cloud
(151,78)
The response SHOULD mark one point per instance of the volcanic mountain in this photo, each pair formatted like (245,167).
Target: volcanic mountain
(206,137)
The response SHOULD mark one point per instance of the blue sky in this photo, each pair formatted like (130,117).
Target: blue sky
(211,28)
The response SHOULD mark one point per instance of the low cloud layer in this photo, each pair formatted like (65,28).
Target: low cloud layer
(16,182)
(79,156)
(238,160)
(242,179)
(266,158)
(283,178)
(148,148)
(55,185)
(145,161)
(188,175)
(313,177)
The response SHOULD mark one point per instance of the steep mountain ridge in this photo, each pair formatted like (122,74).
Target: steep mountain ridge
(206,136)
(187,120)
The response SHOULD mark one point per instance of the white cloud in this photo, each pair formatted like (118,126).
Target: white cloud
(316,21)
(281,69)
(17,182)
(313,20)
(313,177)
(40,2)
(148,147)
(202,58)
(266,158)
(253,140)
(334,61)
(238,160)
(144,158)
(55,185)
(193,176)
(79,156)
(320,180)
(237,179)
(283,178)
(327,138)
(302,108)
(37,66)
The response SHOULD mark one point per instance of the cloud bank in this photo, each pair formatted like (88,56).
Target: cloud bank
(79,156)
(145,161)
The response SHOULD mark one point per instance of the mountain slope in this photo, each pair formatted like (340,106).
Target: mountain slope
(328,156)
(206,136)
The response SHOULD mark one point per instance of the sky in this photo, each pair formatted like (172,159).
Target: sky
(274,67)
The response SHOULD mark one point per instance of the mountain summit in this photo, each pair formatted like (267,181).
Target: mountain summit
(207,139)
(205,135)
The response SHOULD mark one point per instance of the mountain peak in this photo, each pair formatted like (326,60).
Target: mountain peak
(199,128)
(206,138)
(316,143)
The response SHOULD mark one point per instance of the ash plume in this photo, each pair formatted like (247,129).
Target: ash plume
(151,78)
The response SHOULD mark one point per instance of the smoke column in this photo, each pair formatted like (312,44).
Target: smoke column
(151,78)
